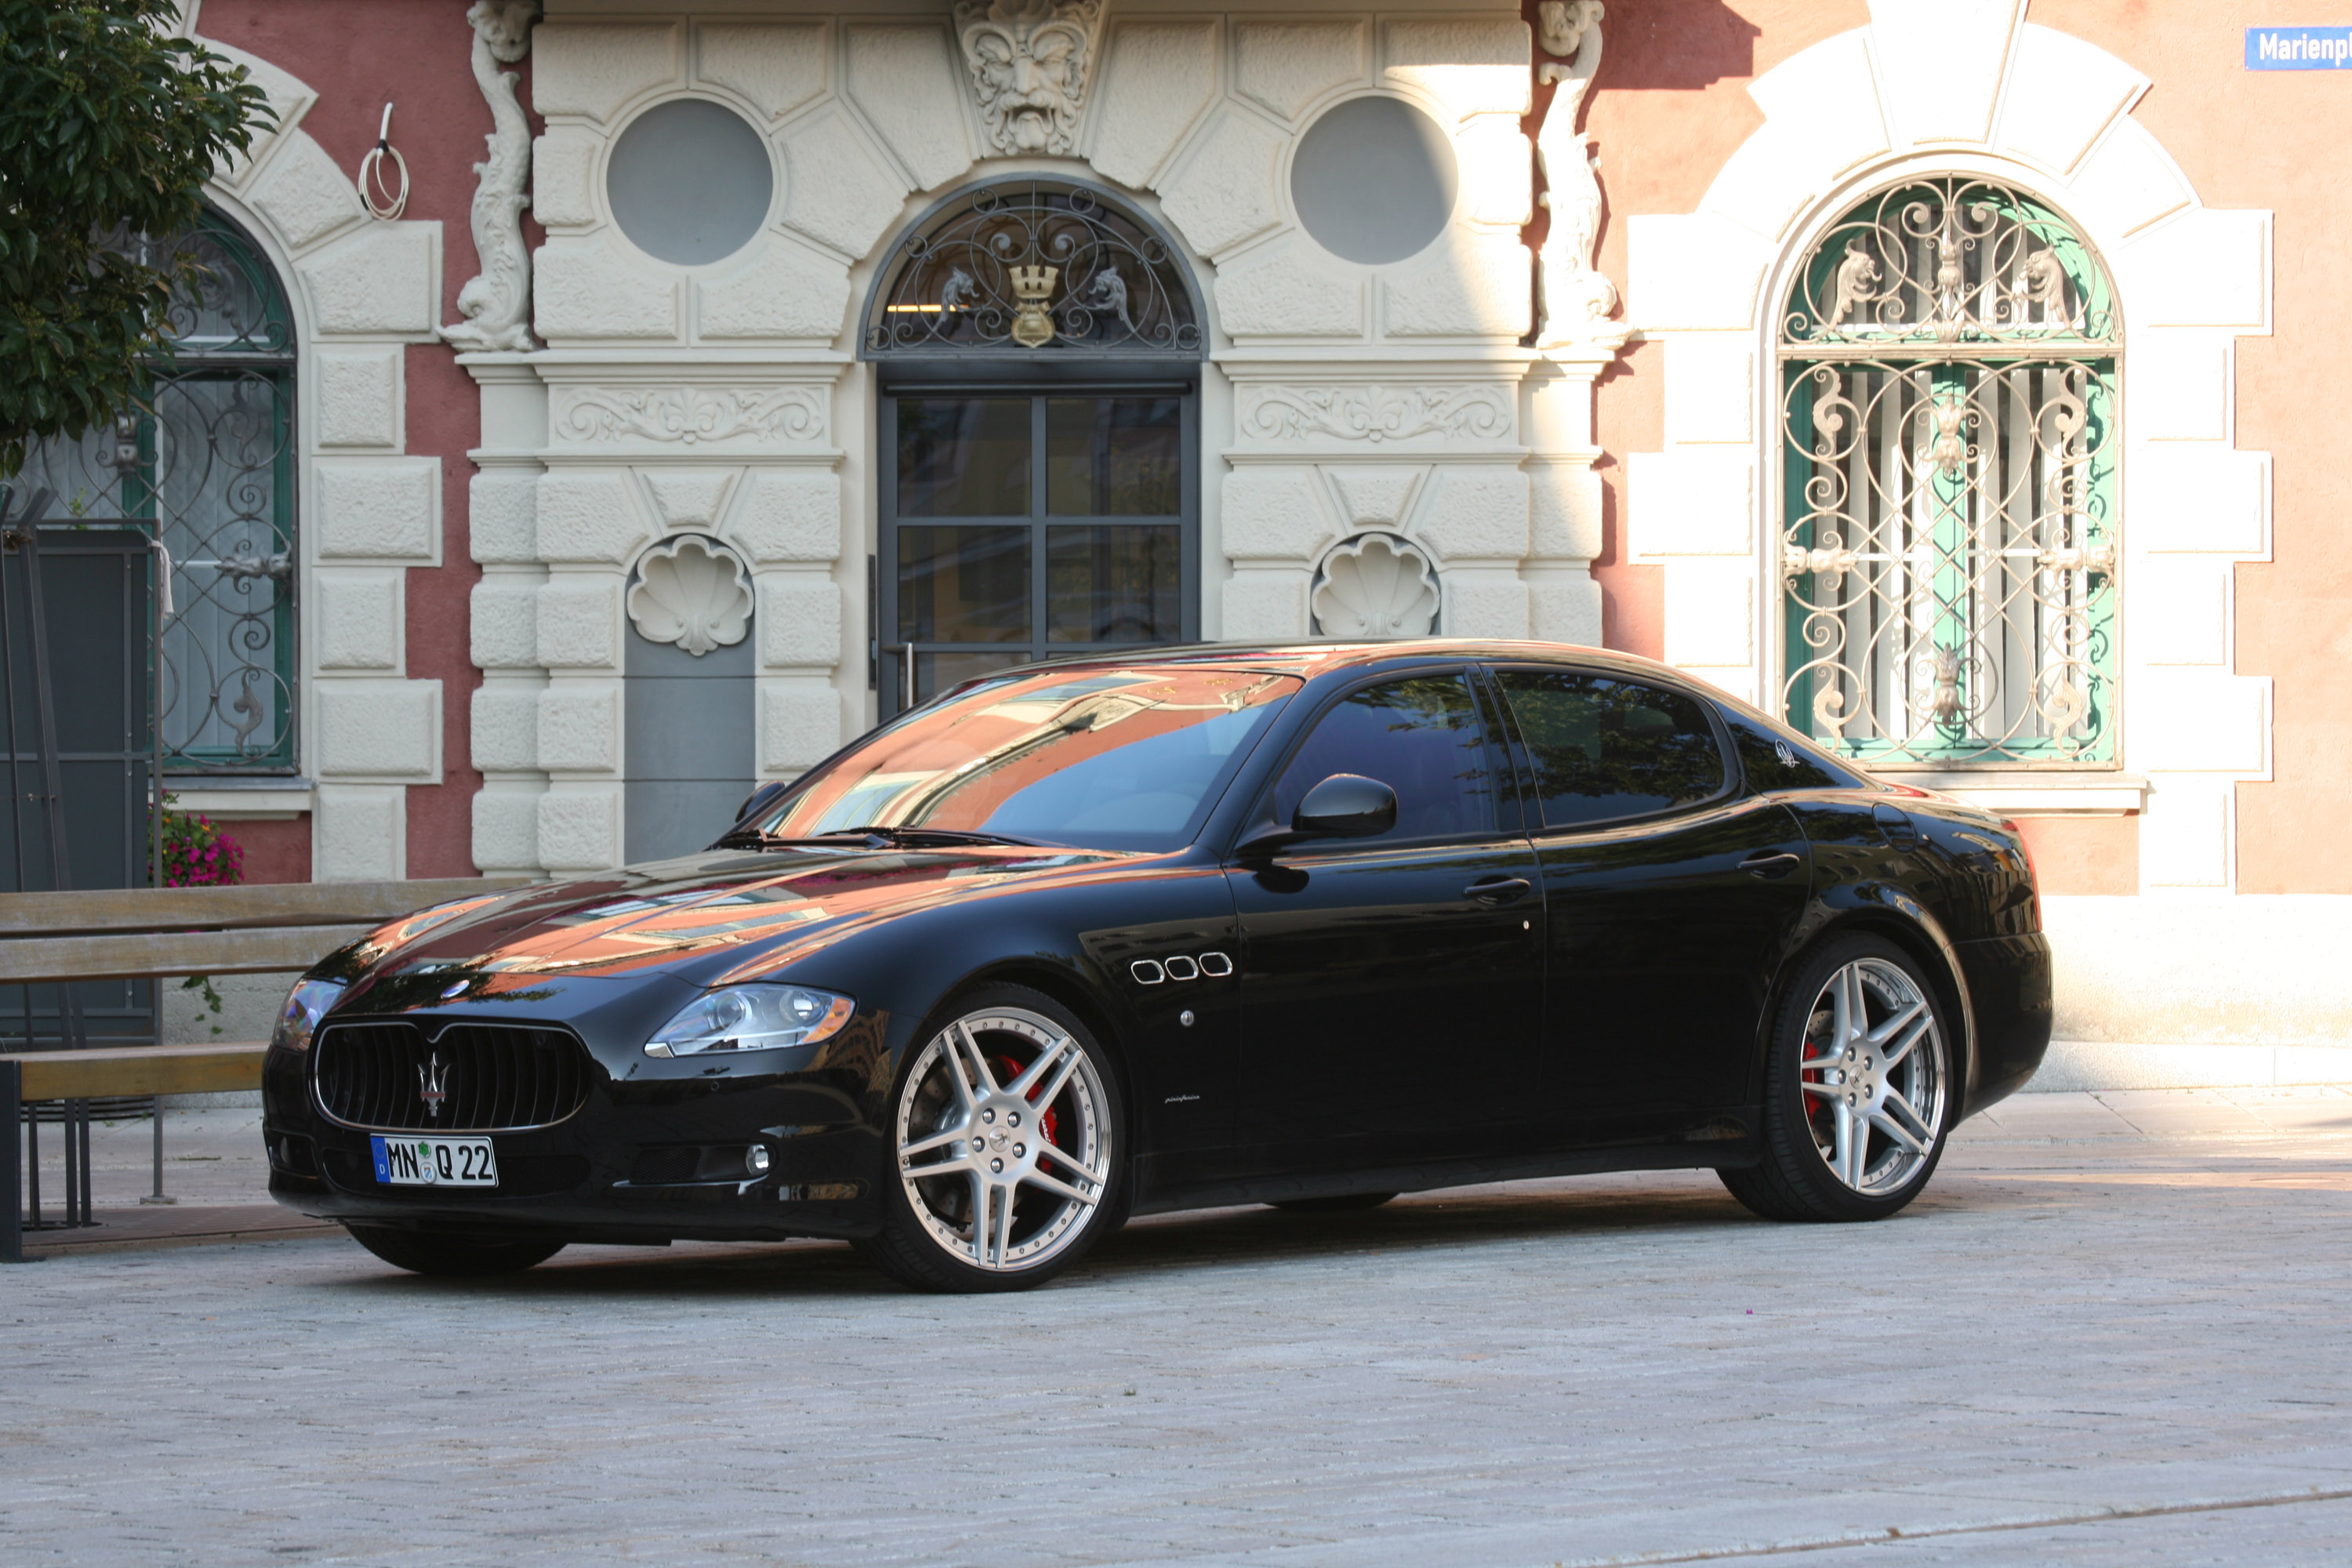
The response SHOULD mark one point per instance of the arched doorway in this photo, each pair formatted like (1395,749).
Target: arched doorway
(1038,350)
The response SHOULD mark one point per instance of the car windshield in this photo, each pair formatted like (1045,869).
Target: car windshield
(1099,758)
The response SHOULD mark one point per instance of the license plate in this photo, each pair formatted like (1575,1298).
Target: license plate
(435,1162)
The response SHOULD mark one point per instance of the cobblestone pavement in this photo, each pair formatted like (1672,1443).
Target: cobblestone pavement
(2112,1331)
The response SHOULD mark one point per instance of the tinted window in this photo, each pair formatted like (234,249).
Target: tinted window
(1605,749)
(1776,761)
(1420,737)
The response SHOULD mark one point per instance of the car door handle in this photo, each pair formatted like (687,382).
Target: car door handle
(1771,863)
(1498,890)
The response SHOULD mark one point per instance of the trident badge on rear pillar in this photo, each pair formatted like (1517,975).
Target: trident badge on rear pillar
(1033,286)
(432,1084)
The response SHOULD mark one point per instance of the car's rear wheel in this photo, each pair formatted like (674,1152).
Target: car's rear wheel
(456,1253)
(1857,1089)
(1008,1153)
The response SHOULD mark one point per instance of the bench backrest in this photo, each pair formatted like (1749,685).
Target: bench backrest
(143,932)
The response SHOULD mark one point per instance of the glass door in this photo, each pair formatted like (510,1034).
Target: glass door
(1019,525)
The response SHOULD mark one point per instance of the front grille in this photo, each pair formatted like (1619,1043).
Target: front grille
(493,1078)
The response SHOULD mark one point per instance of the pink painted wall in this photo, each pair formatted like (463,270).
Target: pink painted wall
(2275,140)
(1671,105)
(415,53)
(274,851)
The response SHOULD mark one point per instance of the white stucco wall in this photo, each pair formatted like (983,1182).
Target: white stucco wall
(727,400)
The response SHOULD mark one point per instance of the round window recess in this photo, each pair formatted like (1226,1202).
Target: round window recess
(1373,180)
(689,182)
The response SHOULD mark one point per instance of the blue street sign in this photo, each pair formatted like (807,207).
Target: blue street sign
(2298,48)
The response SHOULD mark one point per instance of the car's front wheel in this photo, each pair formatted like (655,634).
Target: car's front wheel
(1857,1089)
(444,1252)
(1007,1152)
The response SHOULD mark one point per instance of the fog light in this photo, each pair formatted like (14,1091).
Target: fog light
(755,1159)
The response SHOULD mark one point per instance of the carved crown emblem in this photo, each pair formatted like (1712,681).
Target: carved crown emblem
(1033,327)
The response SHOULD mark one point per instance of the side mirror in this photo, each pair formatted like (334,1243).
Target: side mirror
(759,800)
(1345,805)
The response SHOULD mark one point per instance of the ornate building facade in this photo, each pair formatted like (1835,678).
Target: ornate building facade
(1932,375)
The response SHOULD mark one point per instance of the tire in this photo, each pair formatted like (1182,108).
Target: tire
(1009,1157)
(456,1253)
(1346,1203)
(1827,1079)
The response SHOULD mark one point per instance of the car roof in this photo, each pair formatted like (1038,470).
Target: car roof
(1312,659)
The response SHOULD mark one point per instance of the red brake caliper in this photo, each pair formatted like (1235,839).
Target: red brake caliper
(1007,1069)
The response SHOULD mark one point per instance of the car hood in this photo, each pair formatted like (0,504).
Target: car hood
(723,915)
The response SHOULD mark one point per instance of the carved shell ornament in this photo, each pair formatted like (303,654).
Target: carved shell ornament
(1375,585)
(691,593)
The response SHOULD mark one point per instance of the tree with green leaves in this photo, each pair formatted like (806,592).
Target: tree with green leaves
(109,125)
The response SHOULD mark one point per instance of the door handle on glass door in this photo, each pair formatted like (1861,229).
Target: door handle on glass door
(1771,863)
(1497,889)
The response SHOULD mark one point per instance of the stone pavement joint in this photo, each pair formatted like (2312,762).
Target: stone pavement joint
(1893,1535)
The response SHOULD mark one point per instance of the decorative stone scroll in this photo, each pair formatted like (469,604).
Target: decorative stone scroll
(1029,62)
(1375,414)
(688,415)
(496,302)
(692,593)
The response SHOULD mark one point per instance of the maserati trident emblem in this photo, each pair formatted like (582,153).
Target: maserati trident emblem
(432,1084)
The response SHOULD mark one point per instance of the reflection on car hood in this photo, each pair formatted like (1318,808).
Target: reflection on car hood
(761,906)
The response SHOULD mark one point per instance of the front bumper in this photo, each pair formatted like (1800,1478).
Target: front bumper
(639,1162)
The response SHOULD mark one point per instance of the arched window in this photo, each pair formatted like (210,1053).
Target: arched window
(1041,266)
(210,466)
(1948,523)
(1037,348)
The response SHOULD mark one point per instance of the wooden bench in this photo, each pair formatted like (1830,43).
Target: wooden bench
(156,933)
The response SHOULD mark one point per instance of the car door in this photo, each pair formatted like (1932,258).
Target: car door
(1671,894)
(1392,987)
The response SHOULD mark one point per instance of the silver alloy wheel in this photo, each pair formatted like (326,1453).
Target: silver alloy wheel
(1003,1135)
(1872,1070)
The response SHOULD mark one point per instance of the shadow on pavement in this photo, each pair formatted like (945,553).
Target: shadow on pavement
(1210,1239)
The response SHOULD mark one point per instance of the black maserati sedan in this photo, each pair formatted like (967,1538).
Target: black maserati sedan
(1305,925)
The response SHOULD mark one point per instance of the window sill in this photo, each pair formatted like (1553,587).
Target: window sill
(2029,792)
(261,799)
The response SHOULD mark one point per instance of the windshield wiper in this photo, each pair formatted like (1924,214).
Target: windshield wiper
(876,836)
(914,837)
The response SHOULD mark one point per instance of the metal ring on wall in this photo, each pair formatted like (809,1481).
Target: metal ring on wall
(382,203)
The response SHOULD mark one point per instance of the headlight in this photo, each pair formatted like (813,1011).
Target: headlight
(752,1018)
(305,1006)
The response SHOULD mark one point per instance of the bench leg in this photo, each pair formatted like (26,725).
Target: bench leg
(72,1182)
(157,1196)
(81,1129)
(12,1162)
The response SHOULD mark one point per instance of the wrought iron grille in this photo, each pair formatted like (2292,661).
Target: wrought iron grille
(209,466)
(1037,265)
(1948,448)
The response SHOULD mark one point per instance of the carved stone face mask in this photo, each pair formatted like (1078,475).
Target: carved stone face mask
(1029,62)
